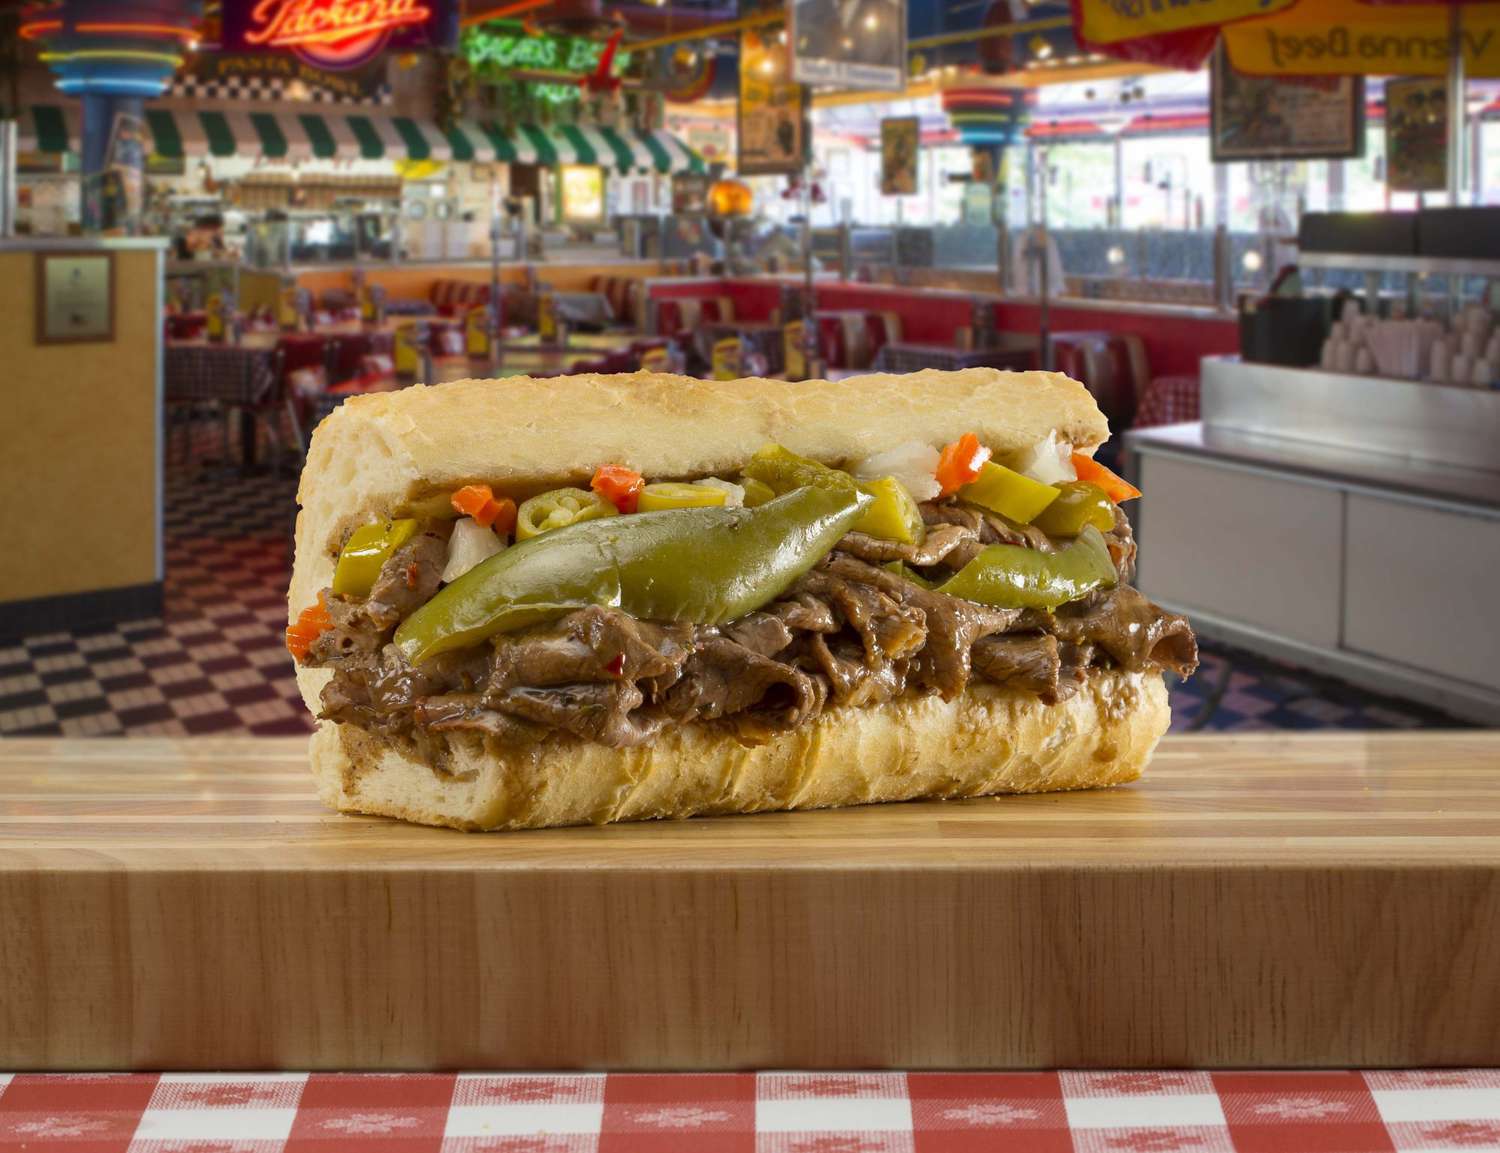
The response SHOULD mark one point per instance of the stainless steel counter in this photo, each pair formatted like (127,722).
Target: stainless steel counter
(1349,468)
(1440,424)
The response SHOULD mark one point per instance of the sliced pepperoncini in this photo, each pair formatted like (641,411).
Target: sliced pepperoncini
(782,470)
(558,509)
(893,514)
(669,494)
(1008,492)
(368,548)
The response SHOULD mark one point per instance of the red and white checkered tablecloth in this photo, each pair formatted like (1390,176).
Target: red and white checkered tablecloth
(1168,400)
(1166,1112)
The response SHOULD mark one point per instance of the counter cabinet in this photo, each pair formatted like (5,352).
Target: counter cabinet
(1277,552)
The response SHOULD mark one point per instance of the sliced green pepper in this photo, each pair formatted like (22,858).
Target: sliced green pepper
(1078,504)
(368,548)
(700,565)
(559,508)
(1008,492)
(1011,577)
(783,470)
(893,514)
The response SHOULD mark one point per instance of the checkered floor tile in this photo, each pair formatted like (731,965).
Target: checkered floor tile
(216,662)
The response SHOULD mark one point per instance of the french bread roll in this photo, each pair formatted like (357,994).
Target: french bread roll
(385,454)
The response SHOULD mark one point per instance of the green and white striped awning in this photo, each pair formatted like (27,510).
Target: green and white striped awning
(371,135)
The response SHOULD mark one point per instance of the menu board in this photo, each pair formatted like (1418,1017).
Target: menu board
(1283,117)
(75,297)
(773,131)
(1416,134)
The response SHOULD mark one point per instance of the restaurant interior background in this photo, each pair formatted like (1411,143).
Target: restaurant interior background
(1270,248)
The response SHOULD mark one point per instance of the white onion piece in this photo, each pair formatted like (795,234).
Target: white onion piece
(1049,460)
(470,543)
(914,464)
(734,494)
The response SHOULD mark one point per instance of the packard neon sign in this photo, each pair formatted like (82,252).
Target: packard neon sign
(332,33)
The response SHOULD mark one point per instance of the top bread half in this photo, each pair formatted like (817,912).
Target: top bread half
(380,454)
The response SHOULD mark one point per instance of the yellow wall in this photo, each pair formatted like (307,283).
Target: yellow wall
(415,282)
(78,440)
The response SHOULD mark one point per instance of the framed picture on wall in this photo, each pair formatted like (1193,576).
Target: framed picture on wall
(75,297)
(1416,134)
(1284,117)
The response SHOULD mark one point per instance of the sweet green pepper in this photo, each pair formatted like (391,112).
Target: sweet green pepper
(1011,577)
(1078,504)
(368,548)
(699,565)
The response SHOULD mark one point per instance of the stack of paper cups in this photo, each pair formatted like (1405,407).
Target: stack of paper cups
(1441,364)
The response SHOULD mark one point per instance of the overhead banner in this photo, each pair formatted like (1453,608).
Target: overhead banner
(773,114)
(851,44)
(1111,21)
(1350,38)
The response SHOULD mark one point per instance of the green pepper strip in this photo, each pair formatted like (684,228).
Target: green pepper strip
(699,565)
(1012,577)
(1078,503)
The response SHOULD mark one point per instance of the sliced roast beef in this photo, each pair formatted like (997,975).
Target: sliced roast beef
(1022,662)
(607,713)
(940,541)
(409,579)
(853,679)
(723,677)
(1133,631)
(761,632)
(592,644)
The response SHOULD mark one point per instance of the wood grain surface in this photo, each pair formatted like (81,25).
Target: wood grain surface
(1268,900)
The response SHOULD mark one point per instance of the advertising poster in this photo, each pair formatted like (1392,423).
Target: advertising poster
(1416,135)
(1284,118)
(900,139)
(853,44)
(773,116)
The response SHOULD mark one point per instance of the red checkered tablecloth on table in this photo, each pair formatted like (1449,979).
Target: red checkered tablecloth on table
(1168,400)
(1097,1112)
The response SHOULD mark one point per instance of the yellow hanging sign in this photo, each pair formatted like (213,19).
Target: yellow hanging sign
(1348,37)
(1110,21)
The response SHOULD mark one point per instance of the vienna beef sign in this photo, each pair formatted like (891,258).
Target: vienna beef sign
(1351,37)
(334,34)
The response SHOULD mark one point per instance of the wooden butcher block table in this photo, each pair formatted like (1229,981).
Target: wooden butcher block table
(1258,900)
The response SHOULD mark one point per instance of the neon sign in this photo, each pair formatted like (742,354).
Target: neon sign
(334,34)
(494,53)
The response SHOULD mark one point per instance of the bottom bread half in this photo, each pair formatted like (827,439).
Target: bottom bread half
(987,740)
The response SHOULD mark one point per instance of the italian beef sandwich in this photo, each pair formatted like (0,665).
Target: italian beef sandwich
(519,603)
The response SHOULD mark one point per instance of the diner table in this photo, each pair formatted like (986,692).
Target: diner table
(913,356)
(243,376)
